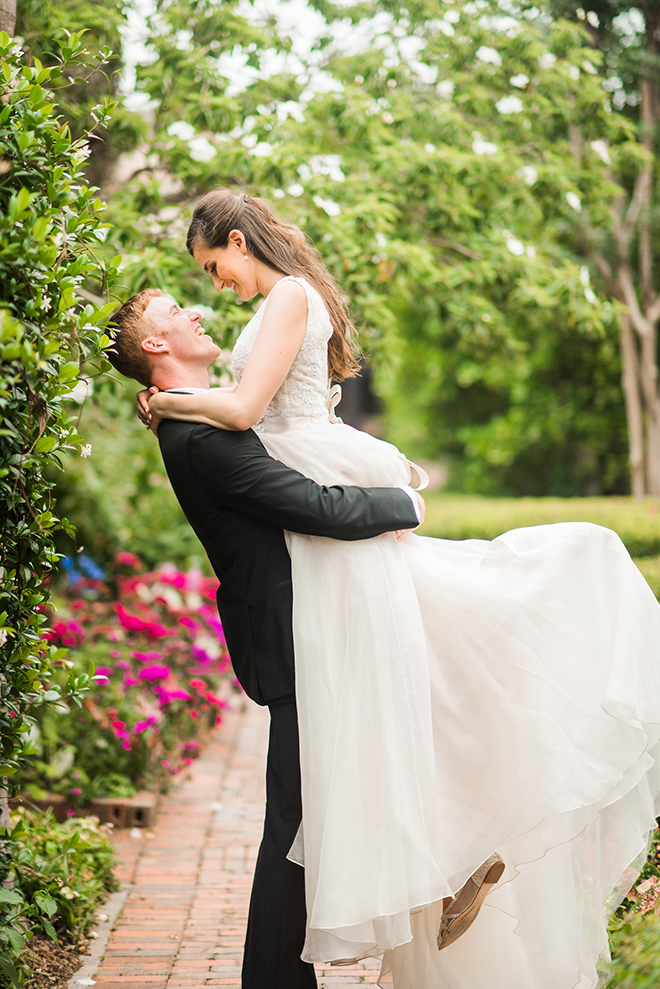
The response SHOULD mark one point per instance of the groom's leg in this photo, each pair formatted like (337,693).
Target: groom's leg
(276,923)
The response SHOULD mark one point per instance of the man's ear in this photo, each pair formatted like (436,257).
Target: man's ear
(155,345)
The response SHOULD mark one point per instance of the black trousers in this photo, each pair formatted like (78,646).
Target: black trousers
(276,922)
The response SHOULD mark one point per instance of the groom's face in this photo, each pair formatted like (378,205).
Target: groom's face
(178,333)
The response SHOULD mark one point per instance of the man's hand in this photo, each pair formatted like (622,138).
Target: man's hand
(144,413)
(421,509)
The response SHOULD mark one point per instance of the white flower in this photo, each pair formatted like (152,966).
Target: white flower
(279,193)
(574,72)
(388,118)
(509,104)
(452,16)
(515,246)
(489,55)
(547,60)
(590,295)
(263,149)
(519,81)
(573,201)
(201,149)
(530,251)
(86,451)
(588,67)
(528,174)
(296,189)
(381,239)
(429,148)
(481,147)
(584,275)
(181,129)
(445,89)
(80,391)
(600,147)
(84,151)
(68,893)
(445,27)
(4,635)
(46,304)
(332,209)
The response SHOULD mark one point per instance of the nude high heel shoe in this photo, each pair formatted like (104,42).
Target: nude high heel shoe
(463,909)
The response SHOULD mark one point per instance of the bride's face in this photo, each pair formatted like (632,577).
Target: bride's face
(229,267)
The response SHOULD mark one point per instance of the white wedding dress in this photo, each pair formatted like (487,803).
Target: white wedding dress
(456,699)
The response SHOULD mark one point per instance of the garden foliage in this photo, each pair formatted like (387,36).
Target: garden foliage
(51,225)
(162,680)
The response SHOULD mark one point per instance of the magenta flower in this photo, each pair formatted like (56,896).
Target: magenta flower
(153,673)
(167,696)
(148,657)
(76,792)
(130,681)
(128,559)
(133,623)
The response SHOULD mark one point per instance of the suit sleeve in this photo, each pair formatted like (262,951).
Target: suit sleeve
(235,469)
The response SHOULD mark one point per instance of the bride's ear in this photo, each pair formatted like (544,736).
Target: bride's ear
(237,239)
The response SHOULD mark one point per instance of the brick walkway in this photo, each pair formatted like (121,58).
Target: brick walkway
(183,924)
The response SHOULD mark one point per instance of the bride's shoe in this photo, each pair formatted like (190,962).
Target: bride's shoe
(465,906)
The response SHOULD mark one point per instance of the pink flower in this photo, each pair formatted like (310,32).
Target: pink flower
(121,663)
(128,559)
(141,726)
(165,763)
(126,744)
(70,813)
(188,622)
(148,657)
(116,654)
(130,681)
(133,623)
(118,725)
(167,696)
(152,673)
(76,792)
(201,655)
(197,684)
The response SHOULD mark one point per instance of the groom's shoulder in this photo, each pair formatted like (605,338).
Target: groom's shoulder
(200,440)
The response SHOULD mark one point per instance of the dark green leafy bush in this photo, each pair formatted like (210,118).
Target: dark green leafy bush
(51,225)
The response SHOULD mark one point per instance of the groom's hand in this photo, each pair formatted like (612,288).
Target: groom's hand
(144,414)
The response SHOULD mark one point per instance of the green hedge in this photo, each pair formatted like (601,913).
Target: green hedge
(474,517)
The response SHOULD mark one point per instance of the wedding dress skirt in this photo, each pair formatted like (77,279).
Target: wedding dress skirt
(461,698)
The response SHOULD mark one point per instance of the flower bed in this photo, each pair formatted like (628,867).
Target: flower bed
(161,681)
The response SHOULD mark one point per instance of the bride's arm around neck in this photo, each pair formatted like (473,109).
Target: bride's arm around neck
(280,337)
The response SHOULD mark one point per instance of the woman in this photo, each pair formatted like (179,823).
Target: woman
(455,698)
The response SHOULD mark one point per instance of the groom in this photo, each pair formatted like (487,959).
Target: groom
(238,500)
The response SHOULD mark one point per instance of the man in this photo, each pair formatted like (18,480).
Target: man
(238,500)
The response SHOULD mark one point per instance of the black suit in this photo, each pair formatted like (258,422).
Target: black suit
(238,500)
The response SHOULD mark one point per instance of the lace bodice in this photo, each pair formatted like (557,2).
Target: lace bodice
(305,390)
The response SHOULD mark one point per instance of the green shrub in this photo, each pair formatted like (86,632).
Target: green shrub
(473,517)
(51,225)
(59,875)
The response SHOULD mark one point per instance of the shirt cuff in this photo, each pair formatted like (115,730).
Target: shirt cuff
(411,494)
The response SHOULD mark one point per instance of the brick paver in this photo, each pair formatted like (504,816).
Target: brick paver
(183,923)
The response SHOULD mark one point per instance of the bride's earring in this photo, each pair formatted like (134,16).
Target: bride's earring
(245,256)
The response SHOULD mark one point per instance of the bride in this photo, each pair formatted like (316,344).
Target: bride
(455,699)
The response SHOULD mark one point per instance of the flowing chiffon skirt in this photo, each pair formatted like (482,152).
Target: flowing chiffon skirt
(460,698)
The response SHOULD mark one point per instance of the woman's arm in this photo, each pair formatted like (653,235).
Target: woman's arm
(279,339)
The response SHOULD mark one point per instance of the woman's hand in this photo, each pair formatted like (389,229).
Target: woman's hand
(143,409)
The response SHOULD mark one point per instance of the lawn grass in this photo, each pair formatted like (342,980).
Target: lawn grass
(475,517)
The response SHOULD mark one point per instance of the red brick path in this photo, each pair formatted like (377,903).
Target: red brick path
(183,924)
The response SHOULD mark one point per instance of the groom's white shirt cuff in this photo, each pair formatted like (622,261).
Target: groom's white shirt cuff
(413,497)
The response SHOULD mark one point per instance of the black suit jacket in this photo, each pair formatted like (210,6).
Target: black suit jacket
(238,500)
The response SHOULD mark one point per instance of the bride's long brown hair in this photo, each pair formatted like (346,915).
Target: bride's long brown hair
(283,247)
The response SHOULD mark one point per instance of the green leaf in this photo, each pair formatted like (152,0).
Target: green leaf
(45,902)
(9,895)
(8,967)
(49,929)
(44,444)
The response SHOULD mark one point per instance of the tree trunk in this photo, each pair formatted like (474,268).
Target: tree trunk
(8,16)
(635,421)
